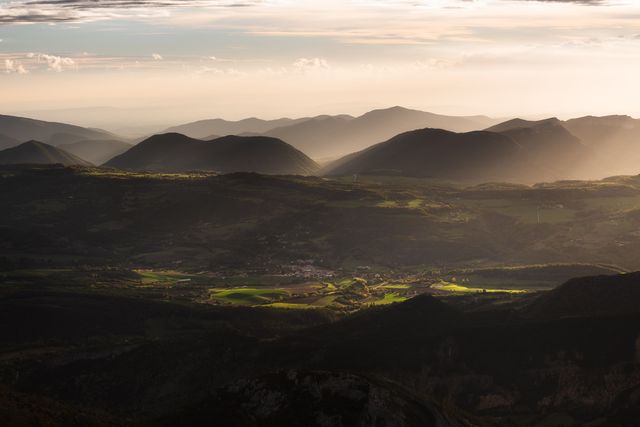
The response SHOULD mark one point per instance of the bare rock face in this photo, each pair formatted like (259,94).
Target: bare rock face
(313,398)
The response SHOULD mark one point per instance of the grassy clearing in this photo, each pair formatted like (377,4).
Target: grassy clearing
(248,296)
(613,203)
(119,174)
(388,204)
(350,281)
(455,288)
(415,203)
(325,301)
(290,306)
(530,277)
(167,277)
(389,298)
(256,280)
(395,286)
(525,211)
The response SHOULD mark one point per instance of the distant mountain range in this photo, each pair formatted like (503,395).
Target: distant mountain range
(553,152)
(331,136)
(203,129)
(176,152)
(34,152)
(416,143)
(516,151)
(327,137)
(52,133)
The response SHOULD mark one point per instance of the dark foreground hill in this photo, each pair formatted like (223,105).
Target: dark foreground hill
(176,152)
(96,151)
(311,398)
(148,361)
(436,153)
(34,152)
(591,297)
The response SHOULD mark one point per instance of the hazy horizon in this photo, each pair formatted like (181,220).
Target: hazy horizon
(137,122)
(155,63)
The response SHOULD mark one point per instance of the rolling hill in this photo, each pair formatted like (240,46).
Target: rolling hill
(554,149)
(331,136)
(34,152)
(176,152)
(202,129)
(24,129)
(594,131)
(440,154)
(614,142)
(96,151)
(591,296)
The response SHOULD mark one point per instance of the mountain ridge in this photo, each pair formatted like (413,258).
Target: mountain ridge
(175,152)
(35,152)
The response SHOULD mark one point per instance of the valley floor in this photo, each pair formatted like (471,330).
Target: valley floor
(178,299)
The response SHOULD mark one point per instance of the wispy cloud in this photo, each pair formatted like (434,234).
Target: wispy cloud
(58,11)
(308,64)
(12,66)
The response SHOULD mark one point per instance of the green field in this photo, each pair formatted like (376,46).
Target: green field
(455,288)
(248,296)
(389,298)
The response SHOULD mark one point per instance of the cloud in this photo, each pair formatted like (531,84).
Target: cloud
(56,11)
(157,56)
(585,2)
(54,63)
(11,66)
(305,64)
(233,72)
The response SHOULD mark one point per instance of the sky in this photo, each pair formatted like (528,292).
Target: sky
(149,62)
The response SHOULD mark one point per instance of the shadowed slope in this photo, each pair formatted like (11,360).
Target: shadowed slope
(311,398)
(436,153)
(176,152)
(591,296)
(34,152)
(556,151)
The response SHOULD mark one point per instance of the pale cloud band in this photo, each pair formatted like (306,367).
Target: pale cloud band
(59,11)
